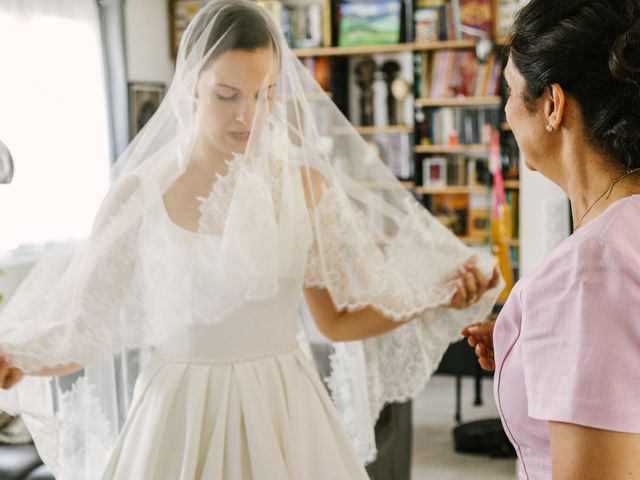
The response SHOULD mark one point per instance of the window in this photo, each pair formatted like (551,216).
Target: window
(53,118)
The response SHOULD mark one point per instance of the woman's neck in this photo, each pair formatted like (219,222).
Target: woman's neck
(594,184)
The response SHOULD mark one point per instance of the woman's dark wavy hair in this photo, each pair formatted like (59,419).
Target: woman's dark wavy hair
(591,48)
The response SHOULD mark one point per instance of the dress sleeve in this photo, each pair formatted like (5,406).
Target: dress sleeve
(581,340)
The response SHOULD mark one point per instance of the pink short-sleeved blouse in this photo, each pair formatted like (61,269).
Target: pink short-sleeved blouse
(567,343)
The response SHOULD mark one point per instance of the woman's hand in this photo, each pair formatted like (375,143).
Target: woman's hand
(9,375)
(480,337)
(472,284)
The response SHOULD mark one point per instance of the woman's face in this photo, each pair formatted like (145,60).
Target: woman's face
(230,91)
(528,126)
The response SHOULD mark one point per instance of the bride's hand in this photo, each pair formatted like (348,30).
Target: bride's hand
(472,284)
(9,375)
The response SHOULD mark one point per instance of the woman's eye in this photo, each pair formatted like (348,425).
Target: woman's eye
(225,98)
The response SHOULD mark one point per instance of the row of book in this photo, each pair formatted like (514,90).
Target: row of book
(455,73)
(459,170)
(454,125)
(377,22)
(470,215)
(457,19)
(396,153)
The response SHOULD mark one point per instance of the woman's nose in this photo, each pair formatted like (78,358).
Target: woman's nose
(245,112)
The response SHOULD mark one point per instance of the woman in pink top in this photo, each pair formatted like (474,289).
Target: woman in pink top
(567,343)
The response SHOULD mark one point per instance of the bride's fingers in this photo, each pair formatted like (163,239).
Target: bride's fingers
(471,285)
(462,290)
(14,376)
(4,371)
(495,278)
(482,282)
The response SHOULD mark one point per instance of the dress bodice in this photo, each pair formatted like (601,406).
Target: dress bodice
(257,327)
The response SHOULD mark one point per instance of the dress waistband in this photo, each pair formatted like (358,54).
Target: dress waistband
(229,360)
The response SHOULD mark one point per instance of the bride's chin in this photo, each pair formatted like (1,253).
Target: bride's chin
(237,149)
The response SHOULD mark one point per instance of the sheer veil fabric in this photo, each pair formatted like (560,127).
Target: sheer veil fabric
(301,198)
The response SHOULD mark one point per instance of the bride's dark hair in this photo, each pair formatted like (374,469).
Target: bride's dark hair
(592,49)
(235,25)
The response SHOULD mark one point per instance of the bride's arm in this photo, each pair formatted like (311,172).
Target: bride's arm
(10,375)
(366,323)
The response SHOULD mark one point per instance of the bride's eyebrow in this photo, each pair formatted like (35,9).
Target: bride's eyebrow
(227,86)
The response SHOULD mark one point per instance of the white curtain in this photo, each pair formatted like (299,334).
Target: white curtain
(53,118)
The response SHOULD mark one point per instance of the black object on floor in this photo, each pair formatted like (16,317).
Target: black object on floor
(17,461)
(484,437)
(40,473)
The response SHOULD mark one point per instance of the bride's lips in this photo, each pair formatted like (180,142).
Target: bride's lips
(240,137)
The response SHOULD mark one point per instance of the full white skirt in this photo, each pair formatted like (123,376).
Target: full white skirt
(257,418)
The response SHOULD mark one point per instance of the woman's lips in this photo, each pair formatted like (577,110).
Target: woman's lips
(240,137)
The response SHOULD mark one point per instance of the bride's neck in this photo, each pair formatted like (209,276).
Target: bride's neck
(207,160)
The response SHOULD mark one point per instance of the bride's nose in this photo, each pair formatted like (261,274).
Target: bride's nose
(245,112)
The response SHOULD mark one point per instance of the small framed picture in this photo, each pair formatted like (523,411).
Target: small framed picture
(180,14)
(144,100)
(434,172)
(369,22)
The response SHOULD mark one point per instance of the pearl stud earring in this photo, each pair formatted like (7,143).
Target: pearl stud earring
(550,128)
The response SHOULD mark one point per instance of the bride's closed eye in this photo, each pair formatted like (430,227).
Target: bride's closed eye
(227,98)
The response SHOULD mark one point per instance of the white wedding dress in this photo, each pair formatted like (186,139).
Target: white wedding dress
(235,400)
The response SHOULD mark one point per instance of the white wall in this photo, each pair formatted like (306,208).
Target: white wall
(148,59)
(147,41)
(544,218)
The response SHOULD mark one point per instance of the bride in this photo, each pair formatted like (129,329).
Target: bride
(245,189)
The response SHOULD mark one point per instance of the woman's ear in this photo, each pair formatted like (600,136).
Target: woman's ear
(554,105)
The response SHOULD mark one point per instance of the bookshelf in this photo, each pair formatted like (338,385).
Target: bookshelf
(450,112)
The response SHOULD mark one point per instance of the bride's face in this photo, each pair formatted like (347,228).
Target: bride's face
(231,90)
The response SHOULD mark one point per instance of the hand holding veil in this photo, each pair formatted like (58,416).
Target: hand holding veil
(275,182)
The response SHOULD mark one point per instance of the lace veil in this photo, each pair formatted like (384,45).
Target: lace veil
(260,157)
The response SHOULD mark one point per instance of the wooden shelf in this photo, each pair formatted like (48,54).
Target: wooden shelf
(440,45)
(451,190)
(513,242)
(493,101)
(468,149)
(378,130)
(512,184)
(388,185)
(346,51)
(395,48)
